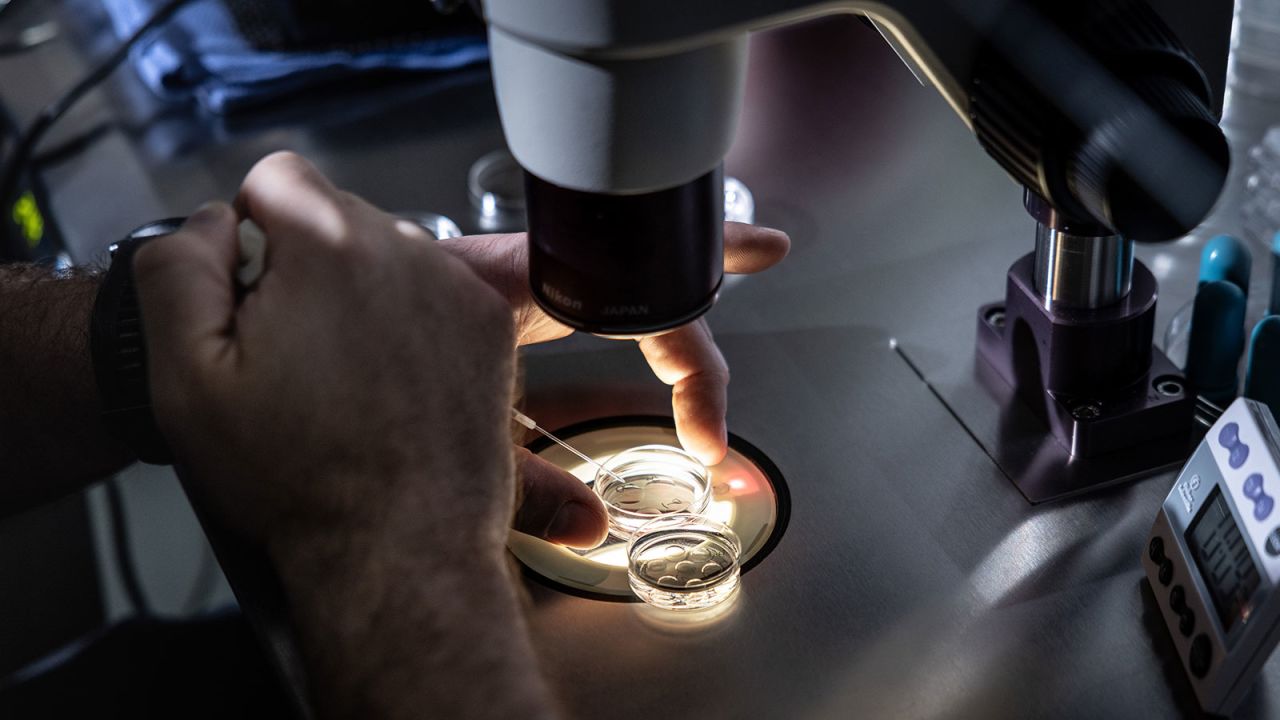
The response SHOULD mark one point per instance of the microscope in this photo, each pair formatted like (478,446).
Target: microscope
(621,112)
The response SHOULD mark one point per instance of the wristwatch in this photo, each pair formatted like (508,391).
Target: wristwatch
(119,352)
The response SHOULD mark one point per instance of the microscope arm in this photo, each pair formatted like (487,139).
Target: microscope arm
(1095,106)
(622,96)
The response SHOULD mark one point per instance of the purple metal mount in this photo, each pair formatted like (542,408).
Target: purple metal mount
(1115,407)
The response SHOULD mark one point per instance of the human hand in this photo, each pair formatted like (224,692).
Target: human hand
(364,385)
(686,358)
(351,413)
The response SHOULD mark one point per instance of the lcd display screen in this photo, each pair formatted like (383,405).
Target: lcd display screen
(1224,559)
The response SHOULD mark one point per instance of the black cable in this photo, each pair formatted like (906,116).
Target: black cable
(21,153)
(73,146)
(124,549)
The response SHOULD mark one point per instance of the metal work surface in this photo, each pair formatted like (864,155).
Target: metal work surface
(914,579)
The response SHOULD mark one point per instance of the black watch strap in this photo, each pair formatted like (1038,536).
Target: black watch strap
(119,351)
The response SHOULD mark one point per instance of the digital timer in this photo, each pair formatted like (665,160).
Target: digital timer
(1213,558)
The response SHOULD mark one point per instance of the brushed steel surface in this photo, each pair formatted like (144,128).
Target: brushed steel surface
(1080,271)
(914,580)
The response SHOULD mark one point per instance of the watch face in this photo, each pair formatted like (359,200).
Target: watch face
(168,226)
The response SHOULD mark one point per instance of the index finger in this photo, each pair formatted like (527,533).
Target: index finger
(689,361)
(752,249)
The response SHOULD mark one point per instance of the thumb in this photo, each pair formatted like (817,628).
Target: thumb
(186,288)
(557,506)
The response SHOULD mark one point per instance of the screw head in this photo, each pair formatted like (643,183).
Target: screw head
(995,317)
(1169,386)
(1087,411)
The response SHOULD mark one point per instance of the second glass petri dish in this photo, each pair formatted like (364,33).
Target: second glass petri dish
(684,562)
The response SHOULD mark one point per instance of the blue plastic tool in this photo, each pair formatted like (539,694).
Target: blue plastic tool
(1217,340)
(1274,307)
(1226,257)
(1262,378)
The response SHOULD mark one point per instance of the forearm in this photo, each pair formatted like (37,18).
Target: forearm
(395,624)
(53,439)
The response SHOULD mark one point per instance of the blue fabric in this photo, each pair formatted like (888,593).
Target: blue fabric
(202,53)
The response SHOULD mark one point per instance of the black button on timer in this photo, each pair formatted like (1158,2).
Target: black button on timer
(1201,654)
(1187,622)
(1166,571)
(1178,599)
(1155,550)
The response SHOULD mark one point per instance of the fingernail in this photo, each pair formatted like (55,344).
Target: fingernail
(573,521)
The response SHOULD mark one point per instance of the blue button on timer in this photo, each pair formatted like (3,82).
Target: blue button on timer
(1239,454)
(1229,435)
(1262,509)
(1253,486)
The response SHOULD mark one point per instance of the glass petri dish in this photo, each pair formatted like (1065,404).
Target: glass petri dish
(739,203)
(684,561)
(495,185)
(748,493)
(441,227)
(648,482)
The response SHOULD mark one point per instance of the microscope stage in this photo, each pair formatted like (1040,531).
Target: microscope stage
(748,494)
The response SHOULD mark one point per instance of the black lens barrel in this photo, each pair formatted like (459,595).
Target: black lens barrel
(626,264)
(1098,108)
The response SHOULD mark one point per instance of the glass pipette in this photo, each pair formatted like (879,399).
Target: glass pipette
(528,422)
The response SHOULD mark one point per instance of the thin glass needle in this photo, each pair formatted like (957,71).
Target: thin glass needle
(528,422)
